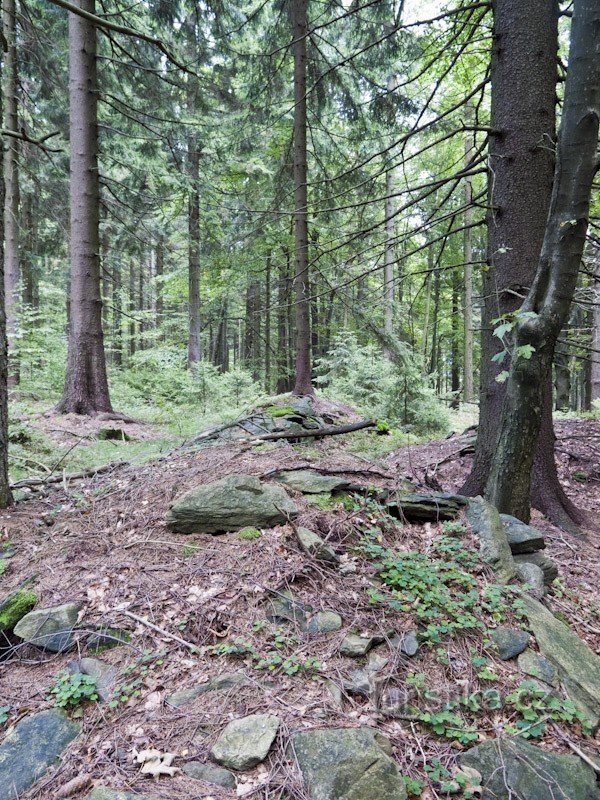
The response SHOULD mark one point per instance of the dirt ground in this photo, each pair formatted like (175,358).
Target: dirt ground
(102,542)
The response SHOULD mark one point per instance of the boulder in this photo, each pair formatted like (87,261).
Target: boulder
(28,749)
(494,547)
(232,503)
(522,538)
(209,773)
(49,628)
(14,607)
(314,546)
(578,665)
(509,642)
(222,682)
(245,742)
(513,768)
(542,561)
(308,481)
(347,764)
(533,576)
(538,666)
(323,622)
(356,646)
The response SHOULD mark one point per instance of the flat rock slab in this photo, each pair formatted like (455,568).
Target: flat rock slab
(308,481)
(509,642)
(209,773)
(513,768)
(355,646)
(538,666)
(228,680)
(578,665)
(49,628)
(431,507)
(323,622)
(232,503)
(245,742)
(522,538)
(493,541)
(347,764)
(33,745)
(104,793)
(313,545)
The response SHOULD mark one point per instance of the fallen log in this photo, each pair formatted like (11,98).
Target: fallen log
(74,476)
(328,430)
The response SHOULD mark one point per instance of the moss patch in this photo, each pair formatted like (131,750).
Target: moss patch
(279,411)
(14,607)
(247,534)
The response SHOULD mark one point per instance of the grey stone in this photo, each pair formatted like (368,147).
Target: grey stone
(106,638)
(336,693)
(532,576)
(362,681)
(522,538)
(355,646)
(494,547)
(431,507)
(323,622)
(14,607)
(513,769)
(314,546)
(232,503)
(538,666)
(104,793)
(308,481)
(209,774)
(578,665)
(410,643)
(245,742)
(50,628)
(509,642)
(541,560)
(222,682)
(347,764)
(283,607)
(104,674)
(33,745)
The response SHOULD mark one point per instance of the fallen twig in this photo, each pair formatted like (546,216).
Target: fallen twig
(192,647)
(330,430)
(74,476)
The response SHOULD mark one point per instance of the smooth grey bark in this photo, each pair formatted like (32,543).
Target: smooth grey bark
(12,271)
(546,307)
(86,384)
(303,382)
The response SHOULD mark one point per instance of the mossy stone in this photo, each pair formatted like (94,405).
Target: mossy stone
(248,533)
(279,411)
(14,607)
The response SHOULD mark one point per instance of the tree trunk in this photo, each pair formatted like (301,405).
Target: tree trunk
(303,384)
(546,307)
(595,354)
(5,494)
(523,76)
(158,283)
(117,319)
(388,268)
(283,301)
(194,354)
(132,308)
(268,323)
(562,379)
(455,345)
(86,385)
(11,183)
(468,383)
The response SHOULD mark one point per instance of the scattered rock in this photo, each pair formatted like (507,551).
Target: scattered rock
(494,547)
(323,622)
(533,576)
(308,481)
(245,742)
(225,681)
(355,646)
(106,638)
(314,546)
(536,665)
(522,538)
(362,681)
(542,561)
(283,607)
(406,642)
(30,748)
(347,764)
(104,674)
(234,502)
(336,693)
(49,628)
(578,665)
(14,607)
(513,768)
(104,793)
(210,774)
(509,642)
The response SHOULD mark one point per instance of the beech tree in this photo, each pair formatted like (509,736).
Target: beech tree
(546,307)
(86,384)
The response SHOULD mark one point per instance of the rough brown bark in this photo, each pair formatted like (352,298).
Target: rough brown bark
(12,272)
(546,307)
(158,284)
(131,308)
(5,493)
(468,383)
(86,385)
(523,75)
(303,383)
(194,354)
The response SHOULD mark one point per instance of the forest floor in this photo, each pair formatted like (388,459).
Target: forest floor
(102,542)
